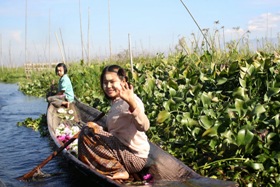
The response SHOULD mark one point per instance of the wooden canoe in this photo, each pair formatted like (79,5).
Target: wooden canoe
(165,169)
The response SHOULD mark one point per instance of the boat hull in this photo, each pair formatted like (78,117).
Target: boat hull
(165,169)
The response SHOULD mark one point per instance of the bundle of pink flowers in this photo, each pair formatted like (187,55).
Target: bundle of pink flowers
(65,133)
(148,178)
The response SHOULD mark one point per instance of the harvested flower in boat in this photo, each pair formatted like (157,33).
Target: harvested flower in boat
(65,114)
(148,177)
(64,133)
(63,138)
(70,112)
(61,111)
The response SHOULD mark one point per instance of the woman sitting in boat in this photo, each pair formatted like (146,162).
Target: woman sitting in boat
(124,148)
(65,93)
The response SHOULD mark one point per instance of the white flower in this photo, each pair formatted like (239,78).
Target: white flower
(58,132)
(75,130)
(74,147)
(67,131)
(61,126)
(61,111)
(70,112)
(75,143)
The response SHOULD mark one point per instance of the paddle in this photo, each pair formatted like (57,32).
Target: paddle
(32,172)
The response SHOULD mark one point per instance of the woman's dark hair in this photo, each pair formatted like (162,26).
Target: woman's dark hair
(113,68)
(61,65)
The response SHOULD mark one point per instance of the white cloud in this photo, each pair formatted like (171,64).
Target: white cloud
(16,36)
(265,22)
(235,33)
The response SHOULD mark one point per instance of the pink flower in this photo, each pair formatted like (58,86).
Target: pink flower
(148,177)
(61,138)
(67,137)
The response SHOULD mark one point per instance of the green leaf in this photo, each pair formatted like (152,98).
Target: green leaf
(240,93)
(251,69)
(188,120)
(162,116)
(221,81)
(270,138)
(166,105)
(172,92)
(150,85)
(277,121)
(242,82)
(173,84)
(206,100)
(211,132)
(244,137)
(259,109)
(196,131)
(234,66)
(272,91)
(202,77)
(213,144)
(256,166)
(229,137)
(239,106)
(206,122)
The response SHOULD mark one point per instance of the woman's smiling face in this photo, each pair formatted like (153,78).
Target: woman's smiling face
(112,84)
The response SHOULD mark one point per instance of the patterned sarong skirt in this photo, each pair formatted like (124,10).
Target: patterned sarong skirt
(105,153)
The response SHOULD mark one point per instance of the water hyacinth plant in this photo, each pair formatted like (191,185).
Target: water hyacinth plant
(217,111)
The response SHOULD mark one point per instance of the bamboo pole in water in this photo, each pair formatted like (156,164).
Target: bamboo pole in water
(63,46)
(130,52)
(196,24)
(10,55)
(1,51)
(110,48)
(88,60)
(49,38)
(82,40)
(59,45)
(26,31)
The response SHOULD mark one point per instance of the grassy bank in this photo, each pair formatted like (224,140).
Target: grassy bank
(12,75)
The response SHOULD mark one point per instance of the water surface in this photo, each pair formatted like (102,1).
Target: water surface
(22,149)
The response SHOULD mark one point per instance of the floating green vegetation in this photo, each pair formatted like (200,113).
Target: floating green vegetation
(39,124)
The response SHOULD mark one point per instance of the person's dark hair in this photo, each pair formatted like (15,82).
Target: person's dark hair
(113,68)
(61,65)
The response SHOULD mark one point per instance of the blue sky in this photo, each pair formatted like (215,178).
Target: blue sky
(153,26)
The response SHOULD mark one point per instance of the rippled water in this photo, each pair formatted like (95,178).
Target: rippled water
(22,149)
